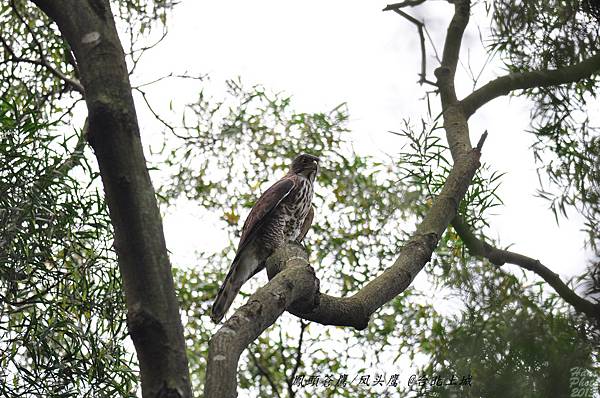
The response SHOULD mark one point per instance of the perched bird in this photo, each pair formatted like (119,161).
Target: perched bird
(283,213)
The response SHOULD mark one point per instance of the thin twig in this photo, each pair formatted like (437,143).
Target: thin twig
(12,227)
(7,47)
(168,76)
(73,83)
(503,85)
(67,111)
(435,51)
(290,380)
(303,326)
(27,27)
(135,60)
(406,3)
(426,81)
(156,115)
(420,26)
(264,372)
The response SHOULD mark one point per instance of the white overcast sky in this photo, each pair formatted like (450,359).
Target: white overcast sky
(327,52)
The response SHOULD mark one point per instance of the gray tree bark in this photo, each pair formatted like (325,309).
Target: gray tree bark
(153,313)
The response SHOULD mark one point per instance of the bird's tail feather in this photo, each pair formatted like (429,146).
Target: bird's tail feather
(227,292)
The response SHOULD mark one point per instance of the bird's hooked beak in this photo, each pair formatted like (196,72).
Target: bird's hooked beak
(315,170)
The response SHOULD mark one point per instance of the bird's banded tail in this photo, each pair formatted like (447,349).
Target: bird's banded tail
(227,292)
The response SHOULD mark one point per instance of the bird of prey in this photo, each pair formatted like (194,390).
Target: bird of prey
(283,213)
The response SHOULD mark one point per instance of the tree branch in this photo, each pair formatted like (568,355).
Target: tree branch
(406,3)
(455,122)
(294,287)
(480,248)
(524,80)
(420,27)
(303,326)
(132,51)
(452,44)
(71,82)
(15,10)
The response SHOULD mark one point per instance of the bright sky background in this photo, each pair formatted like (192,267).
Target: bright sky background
(327,52)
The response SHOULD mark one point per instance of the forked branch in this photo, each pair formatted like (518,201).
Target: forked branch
(295,288)
(480,248)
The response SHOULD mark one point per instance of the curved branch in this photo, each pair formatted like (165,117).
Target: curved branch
(71,82)
(298,359)
(524,80)
(265,373)
(480,248)
(328,310)
(420,28)
(451,52)
(15,10)
(294,287)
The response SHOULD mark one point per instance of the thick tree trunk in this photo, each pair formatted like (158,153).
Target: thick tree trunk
(153,312)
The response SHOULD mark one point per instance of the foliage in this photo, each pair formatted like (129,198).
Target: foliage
(28,36)
(540,34)
(62,312)
(236,149)
(62,323)
(511,340)
(33,53)
(423,166)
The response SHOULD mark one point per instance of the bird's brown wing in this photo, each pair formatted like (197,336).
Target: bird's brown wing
(268,201)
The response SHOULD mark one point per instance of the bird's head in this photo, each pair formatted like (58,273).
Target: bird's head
(306,165)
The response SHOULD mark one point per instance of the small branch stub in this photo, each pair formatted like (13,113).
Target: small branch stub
(481,141)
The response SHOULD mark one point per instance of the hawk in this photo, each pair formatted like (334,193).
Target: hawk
(283,213)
